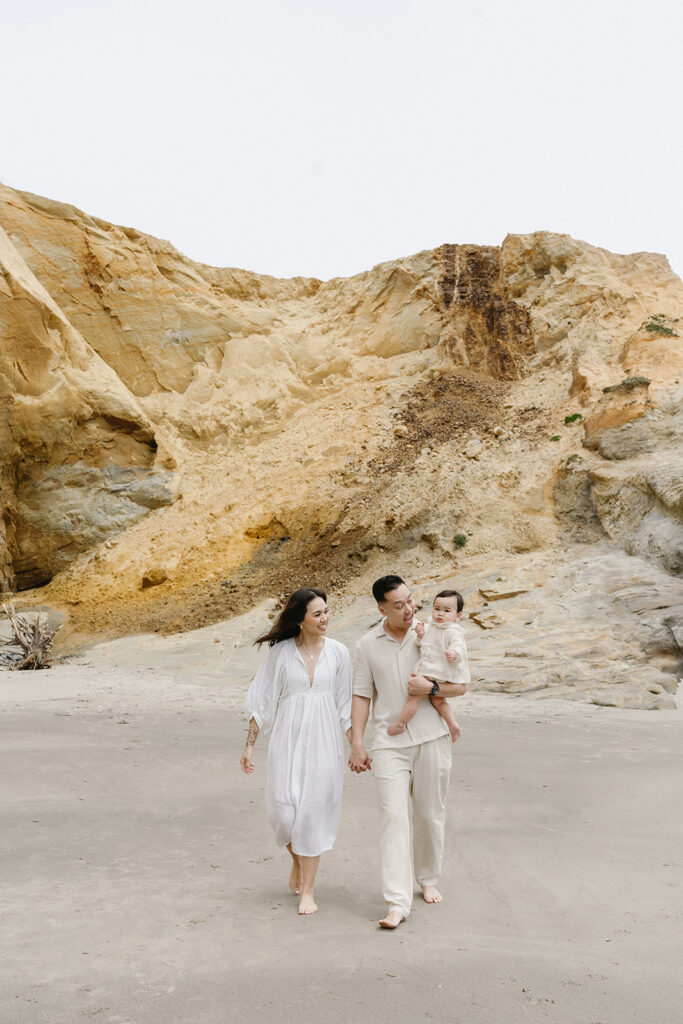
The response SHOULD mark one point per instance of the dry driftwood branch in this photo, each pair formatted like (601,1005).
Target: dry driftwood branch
(32,637)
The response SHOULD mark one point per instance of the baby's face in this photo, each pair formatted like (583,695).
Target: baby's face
(446,609)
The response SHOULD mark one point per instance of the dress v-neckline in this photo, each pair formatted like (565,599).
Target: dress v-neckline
(311,678)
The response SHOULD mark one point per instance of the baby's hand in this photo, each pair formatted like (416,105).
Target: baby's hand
(420,629)
(451,655)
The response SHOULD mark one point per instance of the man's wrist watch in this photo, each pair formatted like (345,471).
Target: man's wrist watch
(434,690)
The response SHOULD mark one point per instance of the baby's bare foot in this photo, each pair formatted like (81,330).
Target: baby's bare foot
(431,894)
(307,904)
(295,878)
(454,731)
(393,919)
(396,728)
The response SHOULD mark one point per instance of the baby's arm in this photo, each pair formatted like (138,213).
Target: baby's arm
(455,645)
(419,632)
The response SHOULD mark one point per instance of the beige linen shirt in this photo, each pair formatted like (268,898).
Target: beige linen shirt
(381,669)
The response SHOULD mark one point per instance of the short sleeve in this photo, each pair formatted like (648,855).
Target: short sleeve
(342,687)
(264,693)
(363,681)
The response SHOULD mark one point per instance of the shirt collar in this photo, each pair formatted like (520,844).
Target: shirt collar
(379,630)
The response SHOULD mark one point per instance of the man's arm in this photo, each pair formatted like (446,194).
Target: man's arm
(363,692)
(418,686)
(359,759)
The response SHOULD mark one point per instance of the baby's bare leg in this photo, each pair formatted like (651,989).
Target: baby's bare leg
(446,712)
(409,709)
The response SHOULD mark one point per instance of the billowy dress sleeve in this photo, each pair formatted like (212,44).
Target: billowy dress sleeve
(264,693)
(342,687)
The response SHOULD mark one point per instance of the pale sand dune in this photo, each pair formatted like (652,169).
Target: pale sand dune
(142,885)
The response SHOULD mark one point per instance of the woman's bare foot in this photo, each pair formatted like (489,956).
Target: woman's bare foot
(295,878)
(307,904)
(431,894)
(396,728)
(393,919)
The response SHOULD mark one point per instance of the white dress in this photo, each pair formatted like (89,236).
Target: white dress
(305,767)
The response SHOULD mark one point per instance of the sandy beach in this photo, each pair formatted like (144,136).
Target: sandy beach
(142,885)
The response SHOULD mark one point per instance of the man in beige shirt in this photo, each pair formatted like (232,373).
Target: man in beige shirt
(415,764)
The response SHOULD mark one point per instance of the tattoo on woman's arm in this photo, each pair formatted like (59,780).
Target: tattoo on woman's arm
(253,733)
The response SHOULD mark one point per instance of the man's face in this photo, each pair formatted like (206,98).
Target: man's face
(398,607)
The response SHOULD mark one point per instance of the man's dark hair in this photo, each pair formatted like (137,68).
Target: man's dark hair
(384,585)
(460,602)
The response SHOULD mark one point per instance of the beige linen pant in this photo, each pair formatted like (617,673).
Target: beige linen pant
(419,773)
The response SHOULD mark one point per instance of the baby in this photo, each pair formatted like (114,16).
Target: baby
(443,659)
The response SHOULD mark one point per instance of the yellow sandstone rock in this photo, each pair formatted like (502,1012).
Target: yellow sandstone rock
(247,435)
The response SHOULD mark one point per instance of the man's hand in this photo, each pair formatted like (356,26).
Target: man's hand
(418,686)
(451,655)
(420,629)
(359,759)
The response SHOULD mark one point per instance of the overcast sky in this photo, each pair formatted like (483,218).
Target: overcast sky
(321,138)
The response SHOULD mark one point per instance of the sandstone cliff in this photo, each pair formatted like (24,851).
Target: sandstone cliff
(227,435)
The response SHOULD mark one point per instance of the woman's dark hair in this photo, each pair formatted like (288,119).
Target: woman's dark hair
(288,622)
(459,603)
(384,585)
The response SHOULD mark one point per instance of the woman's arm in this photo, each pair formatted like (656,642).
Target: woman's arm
(245,760)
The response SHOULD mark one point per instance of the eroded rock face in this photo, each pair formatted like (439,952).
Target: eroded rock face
(438,408)
(78,453)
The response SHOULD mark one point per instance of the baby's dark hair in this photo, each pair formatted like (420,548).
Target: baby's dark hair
(460,602)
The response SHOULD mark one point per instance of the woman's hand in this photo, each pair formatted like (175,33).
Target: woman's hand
(245,760)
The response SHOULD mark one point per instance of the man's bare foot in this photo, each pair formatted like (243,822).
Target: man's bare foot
(296,877)
(396,728)
(307,904)
(454,731)
(431,894)
(393,919)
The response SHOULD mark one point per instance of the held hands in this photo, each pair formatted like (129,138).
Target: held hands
(359,759)
(245,760)
(420,629)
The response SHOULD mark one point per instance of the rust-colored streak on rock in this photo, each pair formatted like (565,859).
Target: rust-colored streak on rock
(486,328)
(448,254)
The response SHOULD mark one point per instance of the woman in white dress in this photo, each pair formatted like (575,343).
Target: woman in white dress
(301,698)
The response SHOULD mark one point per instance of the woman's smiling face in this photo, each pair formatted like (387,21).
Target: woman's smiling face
(314,623)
